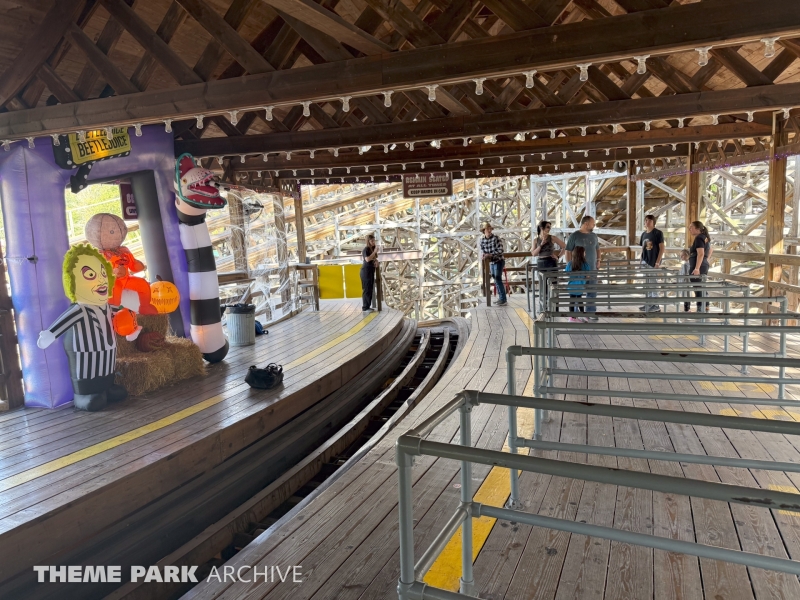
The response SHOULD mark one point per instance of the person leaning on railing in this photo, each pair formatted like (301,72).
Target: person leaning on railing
(546,250)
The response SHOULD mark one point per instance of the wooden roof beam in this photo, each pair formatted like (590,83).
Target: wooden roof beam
(105,42)
(226,36)
(327,21)
(676,28)
(406,23)
(543,144)
(739,66)
(146,68)
(516,14)
(151,42)
(38,48)
(561,117)
(571,163)
(214,51)
(56,85)
(107,69)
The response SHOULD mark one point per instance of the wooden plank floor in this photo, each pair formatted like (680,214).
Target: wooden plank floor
(66,474)
(346,540)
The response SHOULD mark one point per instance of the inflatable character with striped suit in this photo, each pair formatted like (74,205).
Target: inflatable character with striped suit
(197,191)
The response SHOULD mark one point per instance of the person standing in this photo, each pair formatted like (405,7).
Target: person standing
(575,286)
(369,259)
(653,246)
(546,250)
(699,254)
(587,239)
(492,246)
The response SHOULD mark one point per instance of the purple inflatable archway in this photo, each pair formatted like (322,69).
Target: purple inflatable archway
(34,212)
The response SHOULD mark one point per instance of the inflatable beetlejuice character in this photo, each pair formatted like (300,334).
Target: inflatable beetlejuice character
(197,191)
(106,232)
(87,329)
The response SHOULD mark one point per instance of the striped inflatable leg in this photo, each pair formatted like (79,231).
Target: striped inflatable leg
(206,317)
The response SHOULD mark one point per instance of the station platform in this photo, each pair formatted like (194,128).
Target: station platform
(66,475)
(346,540)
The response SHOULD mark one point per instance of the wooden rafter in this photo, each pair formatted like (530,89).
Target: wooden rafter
(40,45)
(107,69)
(678,28)
(226,36)
(571,116)
(322,19)
(151,42)
(563,150)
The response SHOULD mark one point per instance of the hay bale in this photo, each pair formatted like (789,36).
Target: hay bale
(144,372)
(157,323)
(125,348)
(186,357)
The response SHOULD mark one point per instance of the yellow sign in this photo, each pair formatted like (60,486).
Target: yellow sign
(97,145)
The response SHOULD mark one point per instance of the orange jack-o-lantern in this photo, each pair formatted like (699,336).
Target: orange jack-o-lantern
(164,296)
(125,322)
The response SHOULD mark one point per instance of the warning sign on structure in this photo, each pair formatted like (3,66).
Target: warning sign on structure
(419,185)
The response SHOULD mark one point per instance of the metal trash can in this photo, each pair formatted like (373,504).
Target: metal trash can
(241,324)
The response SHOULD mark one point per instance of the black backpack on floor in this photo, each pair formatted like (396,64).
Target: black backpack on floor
(265,379)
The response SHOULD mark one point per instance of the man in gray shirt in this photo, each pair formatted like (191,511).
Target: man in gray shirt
(587,239)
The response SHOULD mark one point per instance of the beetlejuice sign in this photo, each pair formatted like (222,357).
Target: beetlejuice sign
(72,152)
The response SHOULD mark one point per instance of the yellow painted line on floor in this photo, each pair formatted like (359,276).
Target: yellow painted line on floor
(494,491)
(95,449)
(528,322)
(324,348)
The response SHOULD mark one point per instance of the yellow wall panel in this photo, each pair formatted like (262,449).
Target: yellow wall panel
(352,280)
(331,282)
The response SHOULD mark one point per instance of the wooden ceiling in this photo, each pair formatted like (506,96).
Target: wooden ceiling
(69,66)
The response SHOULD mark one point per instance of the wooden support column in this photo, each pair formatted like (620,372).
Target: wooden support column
(776,205)
(630,212)
(692,208)
(238,244)
(300,228)
(281,246)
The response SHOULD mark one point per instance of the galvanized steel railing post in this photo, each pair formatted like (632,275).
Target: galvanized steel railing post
(405,462)
(467,584)
(782,370)
(513,499)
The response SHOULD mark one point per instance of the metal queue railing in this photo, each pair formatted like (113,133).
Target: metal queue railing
(545,356)
(411,585)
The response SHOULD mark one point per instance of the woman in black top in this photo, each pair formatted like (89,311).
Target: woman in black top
(699,254)
(369,258)
(545,250)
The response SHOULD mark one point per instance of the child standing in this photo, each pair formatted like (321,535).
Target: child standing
(684,273)
(575,286)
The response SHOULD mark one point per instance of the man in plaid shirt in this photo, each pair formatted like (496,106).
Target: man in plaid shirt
(492,246)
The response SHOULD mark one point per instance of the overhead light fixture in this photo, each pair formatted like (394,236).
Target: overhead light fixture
(702,59)
(641,66)
(769,46)
(584,67)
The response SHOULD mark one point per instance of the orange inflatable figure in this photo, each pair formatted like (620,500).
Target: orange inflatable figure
(106,232)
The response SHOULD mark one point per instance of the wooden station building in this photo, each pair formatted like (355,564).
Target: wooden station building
(273,93)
